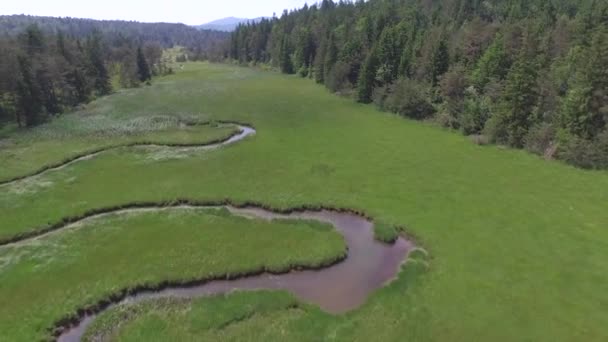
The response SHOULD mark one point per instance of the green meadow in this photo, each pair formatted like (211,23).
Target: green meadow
(517,246)
(46,279)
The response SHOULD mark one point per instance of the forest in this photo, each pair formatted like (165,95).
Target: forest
(527,74)
(52,64)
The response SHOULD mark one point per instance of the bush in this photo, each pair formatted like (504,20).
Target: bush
(406,97)
(476,113)
(479,139)
(585,153)
(337,78)
(541,139)
(495,130)
(385,233)
(452,88)
(303,71)
(7,108)
(445,118)
(379,96)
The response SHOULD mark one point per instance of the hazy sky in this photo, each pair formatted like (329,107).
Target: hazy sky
(190,12)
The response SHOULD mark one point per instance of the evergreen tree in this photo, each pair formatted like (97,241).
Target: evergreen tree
(79,83)
(285,60)
(331,57)
(388,55)
(303,52)
(96,65)
(55,71)
(62,48)
(367,78)
(37,78)
(493,64)
(405,62)
(143,70)
(319,62)
(33,41)
(585,108)
(441,62)
(519,98)
(29,104)
(575,113)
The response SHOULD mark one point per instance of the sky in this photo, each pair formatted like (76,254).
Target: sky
(191,12)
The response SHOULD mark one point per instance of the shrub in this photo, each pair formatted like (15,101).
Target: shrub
(303,71)
(379,96)
(452,88)
(586,153)
(479,139)
(445,118)
(476,113)
(337,78)
(540,139)
(408,98)
(495,129)
(385,233)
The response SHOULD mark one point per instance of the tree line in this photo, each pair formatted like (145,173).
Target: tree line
(529,74)
(41,74)
(49,64)
(165,34)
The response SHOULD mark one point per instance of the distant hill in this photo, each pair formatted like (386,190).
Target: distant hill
(227,24)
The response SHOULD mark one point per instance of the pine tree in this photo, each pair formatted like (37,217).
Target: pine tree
(574,111)
(29,104)
(585,108)
(78,81)
(367,78)
(36,88)
(62,48)
(303,52)
(285,61)
(493,64)
(97,68)
(405,62)
(520,96)
(331,57)
(441,62)
(319,62)
(388,54)
(33,41)
(598,72)
(143,70)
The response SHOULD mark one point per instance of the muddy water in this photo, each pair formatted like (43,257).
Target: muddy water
(335,289)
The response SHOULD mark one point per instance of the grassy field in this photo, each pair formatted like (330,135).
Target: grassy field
(45,280)
(518,245)
(72,136)
(226,317)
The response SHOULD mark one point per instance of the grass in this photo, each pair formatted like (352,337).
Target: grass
(45,280)
(45,146)
(238,316)
(188,320)
(518,245)
(385,233)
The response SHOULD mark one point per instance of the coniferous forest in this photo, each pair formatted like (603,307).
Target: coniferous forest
(529,74)
(49,65)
